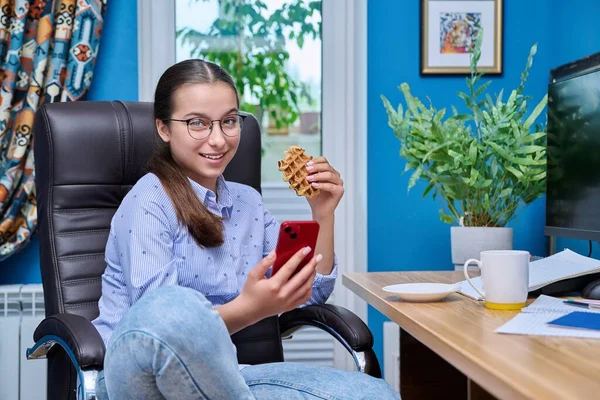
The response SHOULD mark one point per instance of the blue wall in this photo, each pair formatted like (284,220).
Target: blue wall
(571,44)
(116,72)
(405,232)
(115,78)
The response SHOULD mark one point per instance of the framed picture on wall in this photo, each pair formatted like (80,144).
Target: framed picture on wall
(448,32)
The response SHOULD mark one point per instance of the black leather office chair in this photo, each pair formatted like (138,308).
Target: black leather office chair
(88,155)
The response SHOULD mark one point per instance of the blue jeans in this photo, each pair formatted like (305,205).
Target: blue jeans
(172,344)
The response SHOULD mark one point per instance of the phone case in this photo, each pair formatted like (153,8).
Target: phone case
(294,235)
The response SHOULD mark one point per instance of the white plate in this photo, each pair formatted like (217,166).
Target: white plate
(422,292)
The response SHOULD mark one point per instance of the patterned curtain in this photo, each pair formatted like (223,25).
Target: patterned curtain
(48,50)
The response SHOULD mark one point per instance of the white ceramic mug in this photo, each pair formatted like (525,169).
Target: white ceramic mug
(504,278)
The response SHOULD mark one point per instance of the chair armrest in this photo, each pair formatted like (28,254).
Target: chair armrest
(77,333)
(341,321)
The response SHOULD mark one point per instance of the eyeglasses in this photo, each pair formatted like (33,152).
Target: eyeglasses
(201,128)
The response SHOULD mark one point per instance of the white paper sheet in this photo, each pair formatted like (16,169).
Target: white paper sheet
(533,320)
(467,289)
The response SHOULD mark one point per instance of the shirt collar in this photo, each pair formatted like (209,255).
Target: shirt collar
(225,201)
(224,195)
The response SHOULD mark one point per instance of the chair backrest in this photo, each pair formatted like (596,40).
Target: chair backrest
(88,155)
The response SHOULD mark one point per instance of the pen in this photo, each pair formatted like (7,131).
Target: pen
(581,304)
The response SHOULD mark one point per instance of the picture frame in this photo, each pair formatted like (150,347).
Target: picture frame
(448,31)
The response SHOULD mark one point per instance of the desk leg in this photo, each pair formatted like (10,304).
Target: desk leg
(425,375)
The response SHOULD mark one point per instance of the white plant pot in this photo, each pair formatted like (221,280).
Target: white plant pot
(468,242)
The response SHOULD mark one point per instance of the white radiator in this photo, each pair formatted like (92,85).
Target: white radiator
(10,322)
(391,354)
(21,310)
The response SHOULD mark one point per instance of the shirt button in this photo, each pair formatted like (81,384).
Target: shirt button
(224,274)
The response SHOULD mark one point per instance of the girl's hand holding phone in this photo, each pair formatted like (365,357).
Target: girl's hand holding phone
(264,297)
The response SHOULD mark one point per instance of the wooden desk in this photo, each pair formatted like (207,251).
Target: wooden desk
(449,350)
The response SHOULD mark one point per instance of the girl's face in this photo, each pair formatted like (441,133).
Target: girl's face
(202,153)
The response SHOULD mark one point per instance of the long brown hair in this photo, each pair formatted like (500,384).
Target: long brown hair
(205,227)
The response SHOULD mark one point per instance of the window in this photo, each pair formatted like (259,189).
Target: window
(273,50)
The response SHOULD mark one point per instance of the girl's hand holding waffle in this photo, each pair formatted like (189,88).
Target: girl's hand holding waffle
(313,178)
(324,177)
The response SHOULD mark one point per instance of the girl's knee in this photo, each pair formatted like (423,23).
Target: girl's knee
(174,296)
(170,313)
(176,302)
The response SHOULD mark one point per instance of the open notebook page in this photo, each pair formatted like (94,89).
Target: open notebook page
(563,265)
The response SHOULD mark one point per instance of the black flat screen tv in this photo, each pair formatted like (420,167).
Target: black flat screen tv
(573,150)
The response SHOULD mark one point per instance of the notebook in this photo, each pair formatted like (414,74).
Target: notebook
(564,265)
(578,319)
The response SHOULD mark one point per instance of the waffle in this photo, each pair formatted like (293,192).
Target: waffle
(293,167)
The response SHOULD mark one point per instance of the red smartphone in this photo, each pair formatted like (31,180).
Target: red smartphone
(293,236)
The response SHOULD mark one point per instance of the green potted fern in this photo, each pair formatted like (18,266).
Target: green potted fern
(484,165)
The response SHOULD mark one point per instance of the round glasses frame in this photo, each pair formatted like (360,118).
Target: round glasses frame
(205,131)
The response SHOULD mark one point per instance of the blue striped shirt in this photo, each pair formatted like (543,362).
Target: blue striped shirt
(148,248)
